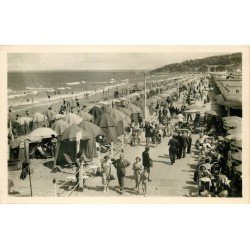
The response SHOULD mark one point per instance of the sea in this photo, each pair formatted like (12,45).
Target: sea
(33,87)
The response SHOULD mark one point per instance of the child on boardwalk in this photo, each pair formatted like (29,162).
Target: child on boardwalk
(137,167)
(144,180)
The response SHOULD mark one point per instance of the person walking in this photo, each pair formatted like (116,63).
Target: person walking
(173,148)
(189,142)
(148,133)
(106,172)
(121,164)
(146,161)
(137,167)
(185,144)
(180,145)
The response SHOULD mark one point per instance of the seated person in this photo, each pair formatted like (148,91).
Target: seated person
(205,176)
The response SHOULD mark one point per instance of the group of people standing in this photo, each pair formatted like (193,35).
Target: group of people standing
(141,169)
(179,145)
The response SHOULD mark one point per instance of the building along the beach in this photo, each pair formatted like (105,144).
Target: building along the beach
(231,95)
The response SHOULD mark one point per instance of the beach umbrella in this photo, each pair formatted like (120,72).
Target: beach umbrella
(134,109)
(234,137)
(85,115)
(108,126)
(58,116)
(71,119)
(70,133)
(126,111)
(237,144)
(211,112)
(38,117)
(238,168)
(237,156)
(60,126)
(96,111)
(89,130)
(41,133)
(232,124)
(24,120)
(118,115)
(234,131)
(231,120)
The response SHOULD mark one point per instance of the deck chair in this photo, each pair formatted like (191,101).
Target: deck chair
(68,160)
(42,152)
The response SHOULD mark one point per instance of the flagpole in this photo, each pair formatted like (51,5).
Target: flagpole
(145,95)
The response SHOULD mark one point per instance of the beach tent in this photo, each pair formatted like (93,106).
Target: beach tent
(60,126)
(71,119)
(89,130)
(19,149)
(118,115)
(121,119)
(40,133)
(38,120)
(85,116)
(96,111)
(68,145)
(108,126)
(135,112)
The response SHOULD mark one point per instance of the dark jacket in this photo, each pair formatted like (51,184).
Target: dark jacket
(146,161)
(121,166)
(148,131)
(180,140)
(173,144)
(185,140)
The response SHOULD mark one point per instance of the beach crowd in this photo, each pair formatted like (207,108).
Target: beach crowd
(178,117)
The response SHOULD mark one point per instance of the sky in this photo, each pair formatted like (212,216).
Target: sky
(97,61)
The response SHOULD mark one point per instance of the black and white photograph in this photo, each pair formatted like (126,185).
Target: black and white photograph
(125,124)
